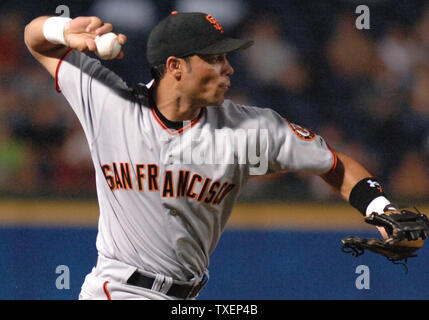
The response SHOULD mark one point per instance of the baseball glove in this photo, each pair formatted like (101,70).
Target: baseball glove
(406,232)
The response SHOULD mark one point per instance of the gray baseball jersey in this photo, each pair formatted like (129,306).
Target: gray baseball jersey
(165,195)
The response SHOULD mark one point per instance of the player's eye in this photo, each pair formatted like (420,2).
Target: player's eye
(212,59)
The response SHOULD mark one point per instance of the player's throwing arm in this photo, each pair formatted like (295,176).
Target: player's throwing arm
(49,38)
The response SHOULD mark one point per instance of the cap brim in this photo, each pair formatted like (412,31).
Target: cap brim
(226,45)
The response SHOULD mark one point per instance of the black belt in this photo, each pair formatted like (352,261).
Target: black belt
(181,291)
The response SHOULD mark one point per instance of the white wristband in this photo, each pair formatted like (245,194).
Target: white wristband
(53,29)
(377,205)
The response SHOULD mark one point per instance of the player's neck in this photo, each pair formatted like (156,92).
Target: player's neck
(173,106)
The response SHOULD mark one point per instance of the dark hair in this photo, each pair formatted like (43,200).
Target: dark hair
(158,71)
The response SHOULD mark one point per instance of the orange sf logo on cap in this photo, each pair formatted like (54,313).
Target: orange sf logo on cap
(214,23)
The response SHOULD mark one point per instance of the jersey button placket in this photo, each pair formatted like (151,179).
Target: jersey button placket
(170,159)
(173,212)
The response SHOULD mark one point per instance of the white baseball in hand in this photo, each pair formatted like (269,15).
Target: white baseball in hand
(108,46)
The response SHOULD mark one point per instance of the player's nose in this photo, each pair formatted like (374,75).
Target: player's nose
(228,69)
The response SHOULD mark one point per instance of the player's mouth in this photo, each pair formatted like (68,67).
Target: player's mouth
(225,86)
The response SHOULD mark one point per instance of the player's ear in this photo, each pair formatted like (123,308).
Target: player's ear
(173,67)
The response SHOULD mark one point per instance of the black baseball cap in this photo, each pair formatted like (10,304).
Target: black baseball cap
(188,33)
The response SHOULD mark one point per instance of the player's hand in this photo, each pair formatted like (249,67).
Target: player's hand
(405,243)
(80,33)
(383,232)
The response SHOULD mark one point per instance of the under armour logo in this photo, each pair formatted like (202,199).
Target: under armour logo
(373,184)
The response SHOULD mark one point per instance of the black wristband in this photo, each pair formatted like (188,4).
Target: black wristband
(364,192)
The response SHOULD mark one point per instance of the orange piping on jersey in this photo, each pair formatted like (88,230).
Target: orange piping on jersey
(106,292)
(57,87)
(334,159)
(181,130)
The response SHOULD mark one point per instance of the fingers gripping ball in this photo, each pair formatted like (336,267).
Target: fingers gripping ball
(107,46)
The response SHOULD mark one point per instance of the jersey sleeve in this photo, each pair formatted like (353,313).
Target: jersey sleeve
(87,86)
(295,148)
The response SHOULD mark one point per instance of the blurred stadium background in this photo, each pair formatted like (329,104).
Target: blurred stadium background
(365,91)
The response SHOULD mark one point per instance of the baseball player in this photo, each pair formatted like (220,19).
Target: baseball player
(167,163)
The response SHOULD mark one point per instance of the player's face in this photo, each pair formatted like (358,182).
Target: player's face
(206,79)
